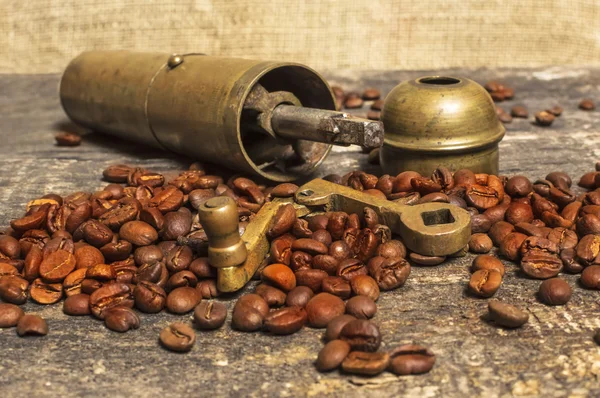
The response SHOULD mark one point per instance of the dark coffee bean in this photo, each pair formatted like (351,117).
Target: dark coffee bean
(9,315)
(587,105)
(389,273)
(45,293)
(590,277)
(299,296)
(9,247)
(273,296)
(510,245)
(121,319)
(569,261)
(350,268)
(588,224)
(411,360)
(563,238)
(366,286)
(149,272)
(336,225)
(426,260)
(202,269)
(392,249)
(249,313)
(280,276)
(588,180)
(480,243)
(337,286)
(177,223)
(322,236)
(322,308)
(169,199)
(281,249)
(32,325)
(518,213)
(332,355)
(87,256)
(361,307)
(178,337)
(8,270)
(530,229)
(366,245)
(403,181)
(310,246)
(72,283)
(31,268)
(485,283)
(183,300)
(318,222)
(153,217)
(284,190)
(300,260)
(482,197)
(554,291)
(149,297)
(77,304)
(480,223)
(539,258)
(588,249)
(519,111)
(138,233)
(208,289)
(339,250)
(89,286)
(486,262)
(110,296)
(311,278)
(544,118)
(335,326)
(542,187)
(13,289)
(362,335)
(57,266)
(179,258)
(117,173)
(366,363)
(283,221)
(33,221)
(147,255)
(326,263)
(285,321)
(210,315)
(506,315)
(300,229)
(181,279)
(518,186)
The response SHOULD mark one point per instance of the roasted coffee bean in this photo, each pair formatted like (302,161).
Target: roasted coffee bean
(510,245)
(45,293)
(539,258)
(499,231)
(34,220)
(366,245)
(406,198)
(273,296)
(425,185)
(318,222)
(8,270)
(561,196)
(480,223)
(153,217)
(366,286)
(530,229)
(280,276)
(392,249)
(202,269)
(411,360)
(72,283)
(563,238)
(326,263)
(285,321)
(77,304)
(148,272)
(556,110)
(32,325)
(300,229)
(485,282)
(506,315)
(426,260)
(210,315)
(569,261)
(322,308)
(169,199)
(299,296)
(389,273)
(361,307)
(366,363)
(336,225)
(486,262)
(101,272)
(403,181)
(337,286)
(588,249)
(57,266)
(482,197)
(518,213)
(31,268)
(89,286)
(177,223)
(138,233)
(590,277)
(350,268)
(179,258)
(9,247)
(147,255)
(335,326)
(283,221)
(183,300)
(554,291)
(110,296)
(13,289)
(542,187)
(249,313)
(587,105)
(310,246)
(178,337)
(121,319)
(544,118)
(117,173)
(350,236)
(588,224)
(443,177)
(519,111)
(370,216)
(588,180)
(332,355)
(181,279)
(362,335)
(149,297)
(311,278)
(117,250)
(339,250)
(480,243)
(371,94)
(9,315)
(87,256)
(300,260)
(322,236)
(518,186)
(284,190)
(208,289)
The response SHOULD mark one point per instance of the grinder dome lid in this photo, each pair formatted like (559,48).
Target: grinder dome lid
(440,114)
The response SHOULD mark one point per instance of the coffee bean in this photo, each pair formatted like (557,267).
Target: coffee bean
(138,233)
(587,105)
(539,258)
(480,243)
(249,313)
(283,221)
(9,247)
(510,245)
(177,223)
(485,283)
(31,268)
(486,262)
(361,307)
(366,286)
(280,276)
(101,272)
(149,297)
(210,315)
(110,296)
(281,249)
(339,250)
(499,231)
(563,238)
(77,304)
(273,296)
(332,355)
(554,291)
(389,273)
(590,277)
(300,260)
(556,110)
(285,321)
(45,293)
(87,256)
(588,249)
(178,337)
(353,103)
(13,289)
(366,363)
(208,289)
(362,335)
(506,315)
(322,308)
(544,118)
(300,229)
(57,266)
(9,315)
(392,249)
(310,246)
(570,264)
(371,94)
(366,245)
(121,319)
(117,173)
(337,286)
(336,225)
(32,325)
(426,260)
(318,222)
(335,326)
(519,111)
(179,258)
(322,236)
(202,269)
(350,268)
(411,360)
(482,197)
(312,278)
(183,300)
(299,296)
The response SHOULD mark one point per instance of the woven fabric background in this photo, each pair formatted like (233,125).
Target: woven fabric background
(39,36)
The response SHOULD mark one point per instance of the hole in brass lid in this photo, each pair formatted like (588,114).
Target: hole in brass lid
(437,217)
(439,80)
(306,192)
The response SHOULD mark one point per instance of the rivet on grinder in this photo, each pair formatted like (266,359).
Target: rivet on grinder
(174,60)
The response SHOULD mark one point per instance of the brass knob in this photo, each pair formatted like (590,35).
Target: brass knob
(219,218)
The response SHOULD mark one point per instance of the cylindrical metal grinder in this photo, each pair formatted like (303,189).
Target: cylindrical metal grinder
(274,119)
(219,218)
(440,121)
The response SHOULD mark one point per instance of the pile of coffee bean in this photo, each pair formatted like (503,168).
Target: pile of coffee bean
(355,100)
(138,243)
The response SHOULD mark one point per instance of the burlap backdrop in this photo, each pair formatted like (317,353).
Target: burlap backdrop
(39,36)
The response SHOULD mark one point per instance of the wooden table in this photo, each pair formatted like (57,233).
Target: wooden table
(553,355)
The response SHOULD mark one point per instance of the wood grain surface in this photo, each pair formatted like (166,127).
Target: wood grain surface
(552,356)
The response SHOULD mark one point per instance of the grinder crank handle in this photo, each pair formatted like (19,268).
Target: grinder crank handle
(432,229)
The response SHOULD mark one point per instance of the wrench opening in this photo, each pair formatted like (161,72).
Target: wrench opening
(442,216)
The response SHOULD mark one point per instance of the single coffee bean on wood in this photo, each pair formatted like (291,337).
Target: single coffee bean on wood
(488,262)
(506,315)
(210,315)
(361,307)
(9,315)
(485,283)
(178,337)
(32,325)
(332,355)
(590,277)
(285,321)
(555,291)
(335,326)
(121,319)
(77,305)
(322,308)
(410,360)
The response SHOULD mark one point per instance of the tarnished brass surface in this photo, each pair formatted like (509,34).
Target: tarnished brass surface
(432,229)
(440,121)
